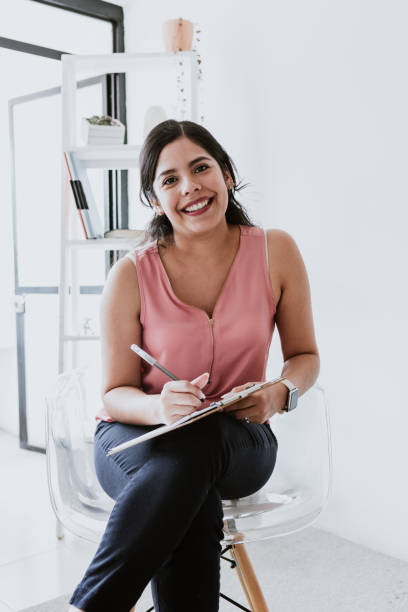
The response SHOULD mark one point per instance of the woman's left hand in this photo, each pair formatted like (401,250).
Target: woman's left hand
(261,405)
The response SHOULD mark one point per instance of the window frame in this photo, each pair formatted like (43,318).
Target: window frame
(115,100)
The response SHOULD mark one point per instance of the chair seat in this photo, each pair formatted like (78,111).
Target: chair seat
(292,499)
(255,504)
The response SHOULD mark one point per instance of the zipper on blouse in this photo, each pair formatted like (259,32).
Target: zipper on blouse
(211,320)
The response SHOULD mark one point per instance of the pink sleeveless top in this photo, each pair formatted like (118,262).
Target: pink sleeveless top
(233,346)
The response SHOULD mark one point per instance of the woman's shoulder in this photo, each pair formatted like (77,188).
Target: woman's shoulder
(142,250)
(284,256)
(122,280)
(274,235)
(277,233)
(280,241)
(123,276)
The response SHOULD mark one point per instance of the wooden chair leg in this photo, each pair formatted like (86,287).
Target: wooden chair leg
(248,579)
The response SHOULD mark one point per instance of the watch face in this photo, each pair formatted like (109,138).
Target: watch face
(293,399)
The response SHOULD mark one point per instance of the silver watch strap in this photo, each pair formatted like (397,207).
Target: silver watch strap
(288,384)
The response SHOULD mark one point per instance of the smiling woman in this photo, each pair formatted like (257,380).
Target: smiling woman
(157,178)
(202,297)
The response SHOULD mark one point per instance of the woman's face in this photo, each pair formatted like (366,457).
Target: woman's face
(190,187)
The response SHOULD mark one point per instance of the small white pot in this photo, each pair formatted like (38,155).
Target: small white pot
(103,134)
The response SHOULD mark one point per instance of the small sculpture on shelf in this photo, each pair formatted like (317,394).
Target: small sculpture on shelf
(153,116)
(87,327)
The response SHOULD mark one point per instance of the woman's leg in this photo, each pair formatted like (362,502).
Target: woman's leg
(159,486)
(165,492)
(190,577)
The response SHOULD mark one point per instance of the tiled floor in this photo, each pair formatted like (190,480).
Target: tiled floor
(34,565)
(310,571)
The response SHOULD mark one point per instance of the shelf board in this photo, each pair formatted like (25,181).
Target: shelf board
(123,62)
(109,156)
(108,244)
(74,338)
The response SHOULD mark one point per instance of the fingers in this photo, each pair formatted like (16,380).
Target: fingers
(183,410)
(252,408)
(237,389)
(180,398)
(186,399)
(247,402)
(248,416)
(201,380)
(183,387)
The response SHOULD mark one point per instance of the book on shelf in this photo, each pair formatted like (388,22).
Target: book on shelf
(136,236)
(84,201)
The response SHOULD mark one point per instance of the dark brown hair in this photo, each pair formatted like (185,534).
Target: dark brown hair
(163,134)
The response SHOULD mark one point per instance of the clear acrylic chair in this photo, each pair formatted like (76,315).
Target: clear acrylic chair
(292,499)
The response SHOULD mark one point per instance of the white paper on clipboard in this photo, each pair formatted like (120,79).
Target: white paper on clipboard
(194,416)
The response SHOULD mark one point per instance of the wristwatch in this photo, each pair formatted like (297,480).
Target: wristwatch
(292,397)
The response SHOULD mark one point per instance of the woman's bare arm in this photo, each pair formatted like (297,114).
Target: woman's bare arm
(120,327)
(294,318)
(122,397)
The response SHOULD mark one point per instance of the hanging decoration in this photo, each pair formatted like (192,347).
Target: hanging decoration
(182,35)
(196,48)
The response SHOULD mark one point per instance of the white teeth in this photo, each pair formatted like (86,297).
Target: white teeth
(197,206)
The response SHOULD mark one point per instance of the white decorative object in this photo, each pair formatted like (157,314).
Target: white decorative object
(103,134)
(153,116)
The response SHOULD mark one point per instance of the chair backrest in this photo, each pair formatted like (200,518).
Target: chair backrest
(298,490)
(78,500)
(293,498)
(304,448)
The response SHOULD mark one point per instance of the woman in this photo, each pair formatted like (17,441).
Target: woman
(202,297)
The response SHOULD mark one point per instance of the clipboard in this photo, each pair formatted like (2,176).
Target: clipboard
(194,416)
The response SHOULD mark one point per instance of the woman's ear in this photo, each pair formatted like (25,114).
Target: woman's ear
(228,180)
(157,208)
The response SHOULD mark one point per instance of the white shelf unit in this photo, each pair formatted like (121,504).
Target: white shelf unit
(109,157)
(104,157)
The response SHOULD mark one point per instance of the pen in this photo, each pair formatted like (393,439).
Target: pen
(152,361)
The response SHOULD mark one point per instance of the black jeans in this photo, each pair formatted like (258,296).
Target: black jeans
(166,525)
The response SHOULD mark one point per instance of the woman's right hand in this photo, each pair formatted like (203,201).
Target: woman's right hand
(180,398)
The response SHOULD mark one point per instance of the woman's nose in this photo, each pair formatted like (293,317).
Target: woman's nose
(188,184)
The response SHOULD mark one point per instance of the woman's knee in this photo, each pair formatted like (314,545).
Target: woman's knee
(199,443)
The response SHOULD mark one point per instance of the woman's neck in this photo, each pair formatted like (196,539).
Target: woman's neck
(204,246)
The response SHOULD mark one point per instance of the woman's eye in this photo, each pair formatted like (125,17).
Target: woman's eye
(202,166)
(165,182)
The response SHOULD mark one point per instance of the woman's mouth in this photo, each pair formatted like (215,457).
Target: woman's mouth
(198,209)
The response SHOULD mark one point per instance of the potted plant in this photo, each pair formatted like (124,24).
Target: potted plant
(103,130)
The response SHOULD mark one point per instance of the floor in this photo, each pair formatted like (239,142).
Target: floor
(311,571)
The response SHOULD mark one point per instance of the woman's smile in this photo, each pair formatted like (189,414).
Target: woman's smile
(199,208)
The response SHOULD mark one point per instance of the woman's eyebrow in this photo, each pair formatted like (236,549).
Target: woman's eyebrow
(194,161)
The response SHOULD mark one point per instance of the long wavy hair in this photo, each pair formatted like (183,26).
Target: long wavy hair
(163,134)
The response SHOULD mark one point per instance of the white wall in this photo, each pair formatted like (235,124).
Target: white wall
(310,100)
(24,74)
